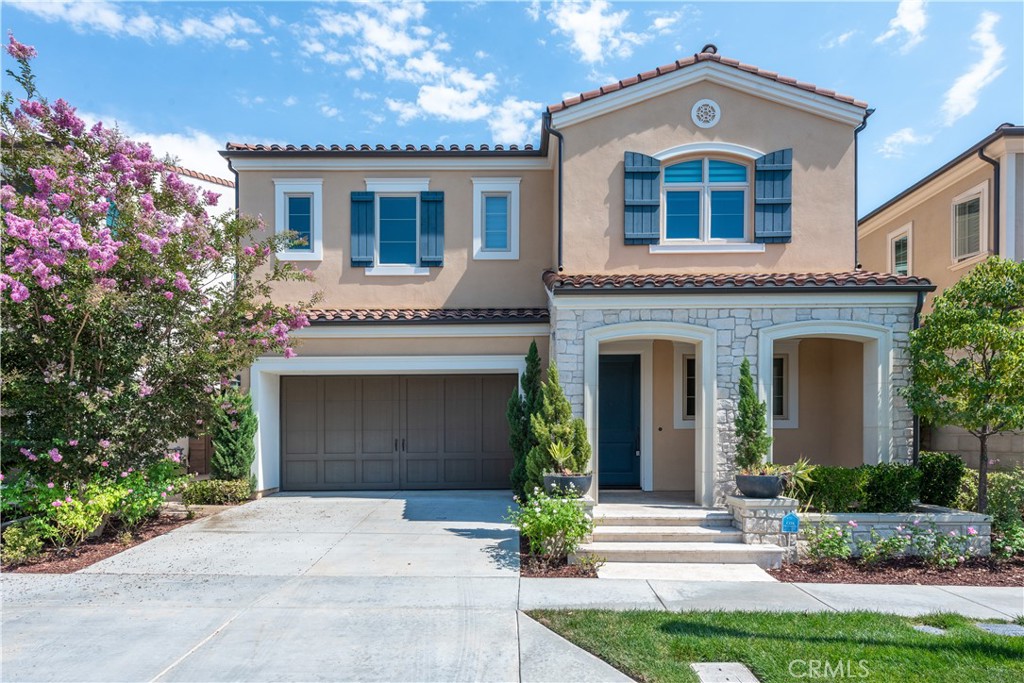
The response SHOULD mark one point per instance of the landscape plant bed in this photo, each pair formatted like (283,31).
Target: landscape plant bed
(660,646)
(978,571)
(535,567)
(58,561)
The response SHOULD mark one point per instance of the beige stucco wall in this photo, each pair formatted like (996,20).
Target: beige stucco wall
(823,207)
(673,456)
(932,231)
(830,430)
(461,283)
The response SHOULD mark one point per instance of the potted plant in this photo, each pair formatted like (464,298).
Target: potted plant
(754,479)
(572,465)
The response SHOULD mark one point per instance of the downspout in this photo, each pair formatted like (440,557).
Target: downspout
(916,452)
(995,198)
(237,214)
(561,145)
(856,196)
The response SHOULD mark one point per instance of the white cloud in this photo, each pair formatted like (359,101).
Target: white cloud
(834,41)
(894,145)
(666,23)
(459,97)
(594,30)
(246,101)
(360,94)
(115,19)
(909,23)
(962,96)
(515,121)
(533,10)
(290,101)
(480,54)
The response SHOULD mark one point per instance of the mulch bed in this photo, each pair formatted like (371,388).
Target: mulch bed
(58,561)
(531,566)
(980,571)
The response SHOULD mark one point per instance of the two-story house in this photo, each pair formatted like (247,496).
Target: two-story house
(668,226)
(970,208)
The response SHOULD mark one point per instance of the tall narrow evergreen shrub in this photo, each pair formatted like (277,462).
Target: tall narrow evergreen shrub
(554,423)
(752,440)
(521,405)
(233,435)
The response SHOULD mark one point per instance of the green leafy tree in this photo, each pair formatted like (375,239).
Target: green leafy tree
(752,440)
(967,359)
(521,405)
(555,424)
(233,434)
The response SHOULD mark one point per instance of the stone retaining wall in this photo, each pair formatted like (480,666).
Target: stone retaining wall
(945,520)
(760,521)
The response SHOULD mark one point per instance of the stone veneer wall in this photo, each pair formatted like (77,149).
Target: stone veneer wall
(945,520)
(760,521)
(736,338)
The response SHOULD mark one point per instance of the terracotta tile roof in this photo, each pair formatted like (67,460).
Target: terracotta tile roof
(725,282)
(378,149)
(428,315)
(702,57)
(188,172)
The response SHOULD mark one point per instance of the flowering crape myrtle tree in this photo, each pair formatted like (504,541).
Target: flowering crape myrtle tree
(123,304)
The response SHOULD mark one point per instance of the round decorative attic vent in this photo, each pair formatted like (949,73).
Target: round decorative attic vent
(706,113)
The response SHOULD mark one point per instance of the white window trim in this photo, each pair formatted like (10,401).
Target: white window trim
(679,357)
(393,270)
(907,230)
(397,185)
(705,188)
(481,187)
(790,350)
(981,191)
(296,186)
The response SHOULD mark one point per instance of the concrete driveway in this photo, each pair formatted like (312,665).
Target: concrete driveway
(402,586)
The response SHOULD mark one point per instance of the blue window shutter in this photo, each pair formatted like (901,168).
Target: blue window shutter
(431,229)
(362,229)
(773,197)
(642,198)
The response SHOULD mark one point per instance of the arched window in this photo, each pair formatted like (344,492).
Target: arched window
(706,200)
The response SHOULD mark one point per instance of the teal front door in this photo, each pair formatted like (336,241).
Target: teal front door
(618,422)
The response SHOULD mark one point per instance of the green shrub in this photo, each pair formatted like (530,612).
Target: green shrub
(554,423)
(1006,498)
(141,493)
(943,550)
(22,542)
(891,487)
(233,436)
(967,494)
(752,440)
(71,520)
(826,543)
(217,492)
(834,489)
(1009,542)
(524,402)
(940,478)
(554,525)
(880,548)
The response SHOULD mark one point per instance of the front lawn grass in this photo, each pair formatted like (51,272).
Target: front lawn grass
(659,646)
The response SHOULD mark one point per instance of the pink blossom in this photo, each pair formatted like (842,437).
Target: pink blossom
(19,50)
(103,443)
(971,531)
(105,464)
(73,442)
(290,353)
(46,318)
(249,251)
(211,198)
(181,282)
(168,295)
(49,485)
(145,389)
(124,474)
(163,494)
(56,503)
(137,325)
(852,523)
(55,455)
(953,532)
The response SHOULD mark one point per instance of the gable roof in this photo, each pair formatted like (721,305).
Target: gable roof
(206,177)
(641,283)
(1004,130)
(698,58)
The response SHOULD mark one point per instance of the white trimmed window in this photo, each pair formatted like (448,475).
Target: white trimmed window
(298,210)
(397,229)
(970,223)
(496,218)
(900,250)
(785,394)
(706,201)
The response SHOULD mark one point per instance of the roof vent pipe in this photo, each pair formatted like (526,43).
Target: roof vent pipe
(709,49)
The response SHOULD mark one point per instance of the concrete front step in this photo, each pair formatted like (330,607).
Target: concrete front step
(763,555)
(678,534)
(661,517)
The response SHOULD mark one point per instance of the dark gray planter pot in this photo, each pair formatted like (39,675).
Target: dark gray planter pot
(759,485)
(581,482)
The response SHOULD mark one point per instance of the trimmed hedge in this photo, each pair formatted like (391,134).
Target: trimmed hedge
(941,475)
(834,489)
(217,492)
(890,487)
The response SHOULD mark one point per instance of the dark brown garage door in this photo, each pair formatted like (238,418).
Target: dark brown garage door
(408,432)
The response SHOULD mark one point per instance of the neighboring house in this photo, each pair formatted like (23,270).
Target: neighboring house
(940,228)
(668,226)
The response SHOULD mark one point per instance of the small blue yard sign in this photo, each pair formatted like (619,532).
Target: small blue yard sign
(791,524)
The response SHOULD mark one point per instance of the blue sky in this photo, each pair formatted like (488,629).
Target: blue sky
(188,76)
